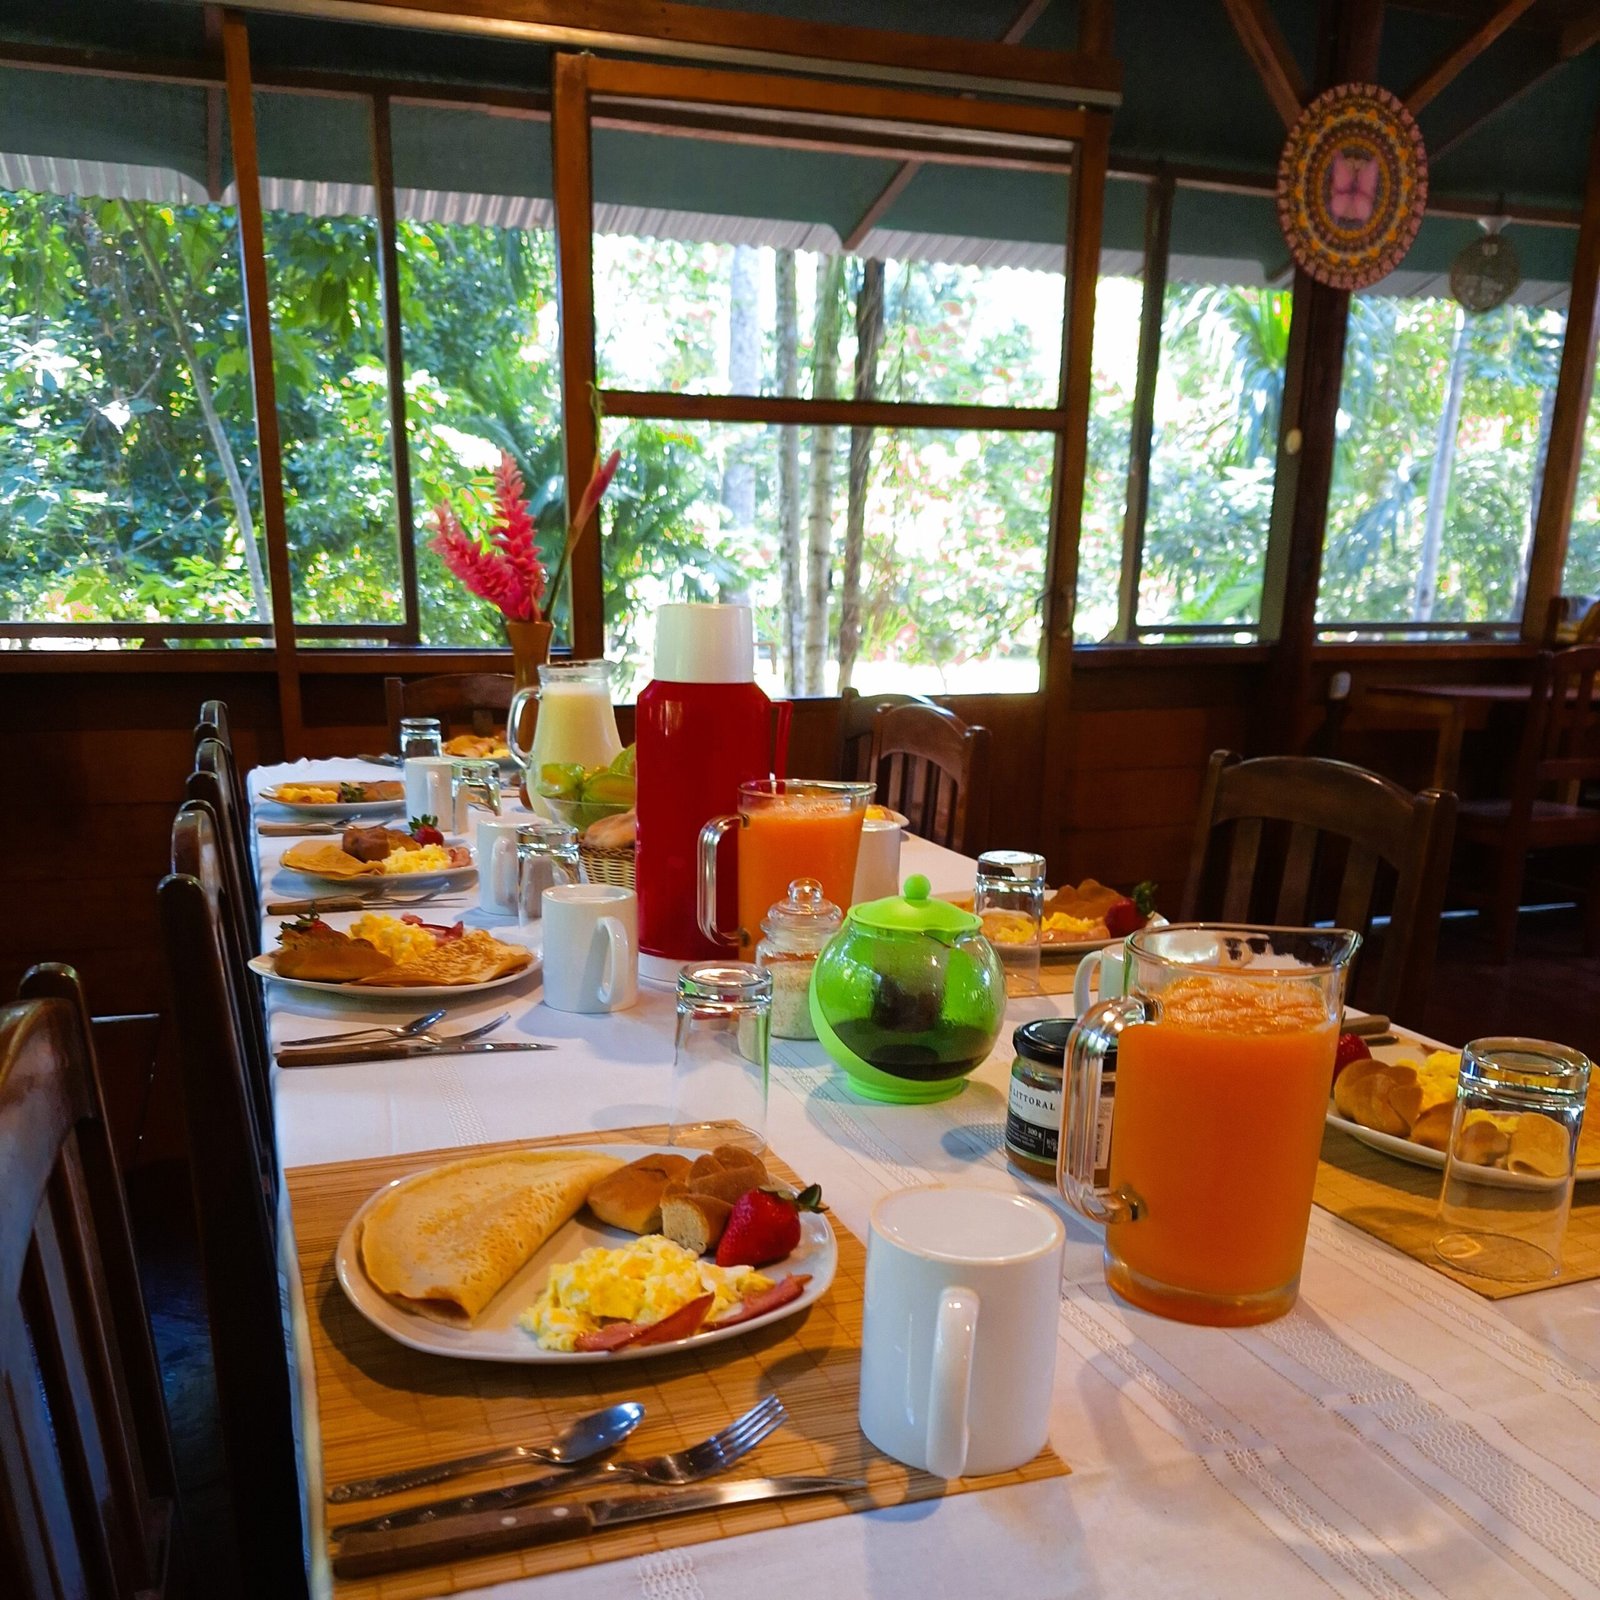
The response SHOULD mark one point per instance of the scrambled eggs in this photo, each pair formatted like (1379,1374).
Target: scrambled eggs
(307,794)
(430,858)
(643,1281)
(398,940)
(1082,927)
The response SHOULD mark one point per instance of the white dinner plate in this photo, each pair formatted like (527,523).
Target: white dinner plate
(375,991)
(450,877)
(1421,1155)
(495,1336)
(334,811)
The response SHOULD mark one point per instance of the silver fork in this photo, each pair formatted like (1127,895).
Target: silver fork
(689,1465)
(424,1036)
(313,905)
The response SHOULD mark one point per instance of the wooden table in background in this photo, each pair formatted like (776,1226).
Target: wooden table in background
(1454,709)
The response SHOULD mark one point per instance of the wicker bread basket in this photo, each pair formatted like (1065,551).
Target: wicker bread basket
(613,865)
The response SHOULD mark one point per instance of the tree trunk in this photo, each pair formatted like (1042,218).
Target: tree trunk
(824,386)
(1541,453)
(789,473)
(219,435)
(869,339)
(744,377)
(1444,460)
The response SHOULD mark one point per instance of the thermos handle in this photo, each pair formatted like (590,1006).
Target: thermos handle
(514,722)
(706,880)
(950,1381)
(1091,1039)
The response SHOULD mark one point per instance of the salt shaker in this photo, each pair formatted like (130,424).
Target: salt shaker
(547,856)
(796,929)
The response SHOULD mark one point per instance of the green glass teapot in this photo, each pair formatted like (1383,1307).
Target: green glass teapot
(908,997)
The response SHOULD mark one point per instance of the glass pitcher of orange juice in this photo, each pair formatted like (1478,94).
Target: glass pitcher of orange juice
(1225,1045)
(788,828)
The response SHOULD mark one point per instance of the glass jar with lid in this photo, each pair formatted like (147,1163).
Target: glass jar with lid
(796,930)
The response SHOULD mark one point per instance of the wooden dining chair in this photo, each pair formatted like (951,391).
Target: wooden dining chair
(212,723)
(233,1170)
(1273,834)
(856,714)
(216,781)
(87,1487)
(478,699)
(934,768)
(1558,756)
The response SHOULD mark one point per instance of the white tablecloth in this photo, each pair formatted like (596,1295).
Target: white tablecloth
(1394,1435)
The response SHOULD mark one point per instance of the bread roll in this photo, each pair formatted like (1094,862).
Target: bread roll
(693,1220)
(1384,1096)
(631,1197)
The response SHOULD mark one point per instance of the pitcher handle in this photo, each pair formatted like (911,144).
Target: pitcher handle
(514,721)
(1091,1039)
(706,897)
(950,1382)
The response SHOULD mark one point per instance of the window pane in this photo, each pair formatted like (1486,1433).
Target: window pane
(127,435)
(951,530)
(1443,417)
(1219,393)
(708,254)
(1105,490)
(328,356)
(478,304)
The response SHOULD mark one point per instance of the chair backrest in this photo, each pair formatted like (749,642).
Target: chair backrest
(1561,738)
(1307,812)
(1567,617)
(216,781)
(856,714)
(232,1167)
(480,699)
(933,767)
(213,723)
(87,1488)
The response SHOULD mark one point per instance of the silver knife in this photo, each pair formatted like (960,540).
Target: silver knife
(361,1555)
(335,1055)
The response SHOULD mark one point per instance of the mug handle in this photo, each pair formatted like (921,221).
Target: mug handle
(1081,985)
(1090,1041)
(616,956)
(706,880)
(950,1382)
(503,849)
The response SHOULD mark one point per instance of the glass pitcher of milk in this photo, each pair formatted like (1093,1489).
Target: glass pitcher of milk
(575,721)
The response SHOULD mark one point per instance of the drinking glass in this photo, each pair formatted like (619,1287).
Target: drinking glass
(788,828)
(1225,1045)
(547,857)
(719,1062)
(1009,898)
(420,736)
(1509,1165)
(473,780)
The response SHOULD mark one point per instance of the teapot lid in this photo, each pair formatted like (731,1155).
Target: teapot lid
(914,912)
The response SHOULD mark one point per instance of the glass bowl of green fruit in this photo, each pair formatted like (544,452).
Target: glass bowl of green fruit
(583,795)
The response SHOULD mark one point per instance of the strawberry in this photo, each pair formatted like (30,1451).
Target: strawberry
(764,1226)
(1130,914)
(1351,1047)
(425,830)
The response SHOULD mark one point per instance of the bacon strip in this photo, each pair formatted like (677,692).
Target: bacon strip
(764,1300)
(677,1324)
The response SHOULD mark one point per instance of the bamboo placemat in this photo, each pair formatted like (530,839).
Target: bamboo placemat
(382,1406)
(1396,1202)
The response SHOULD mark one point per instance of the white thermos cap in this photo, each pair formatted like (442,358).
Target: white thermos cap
(705,644)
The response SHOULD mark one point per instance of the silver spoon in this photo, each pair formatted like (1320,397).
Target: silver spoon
(405,1030)
(589,1436)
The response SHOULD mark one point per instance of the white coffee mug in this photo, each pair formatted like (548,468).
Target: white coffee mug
(427,780)
(958,1335)
(497,865)
(591,947)
(1112,965)
(878,859)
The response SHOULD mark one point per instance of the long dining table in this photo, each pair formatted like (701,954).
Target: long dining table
(1394,1435)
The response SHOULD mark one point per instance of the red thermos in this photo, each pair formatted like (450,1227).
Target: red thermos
(702,728)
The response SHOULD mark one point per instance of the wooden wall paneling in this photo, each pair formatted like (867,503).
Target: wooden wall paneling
(1574,385)
(574,218)
(258,323)
(394,359)
(1157,250)
(1071,463)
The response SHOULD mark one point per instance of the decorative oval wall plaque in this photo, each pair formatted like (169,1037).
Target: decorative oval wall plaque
(1352,185)
(1486,273)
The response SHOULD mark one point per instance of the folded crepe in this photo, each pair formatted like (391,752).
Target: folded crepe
(327,860)
(447,1241)
(476,957)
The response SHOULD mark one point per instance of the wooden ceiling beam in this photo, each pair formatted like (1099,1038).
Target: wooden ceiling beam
(1460,56)
(1270,55)
(1579,33)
